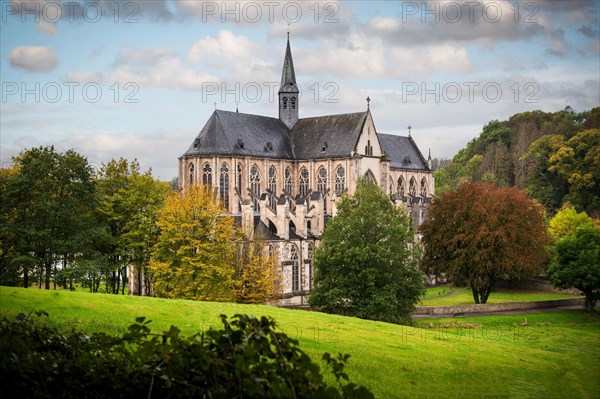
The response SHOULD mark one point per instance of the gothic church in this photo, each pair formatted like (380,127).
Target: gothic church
(281,178)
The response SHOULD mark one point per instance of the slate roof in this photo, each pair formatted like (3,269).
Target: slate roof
(232,133)
(337,134)
(332,136)
(402,151)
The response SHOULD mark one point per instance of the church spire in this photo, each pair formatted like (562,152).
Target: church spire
(288,76)
(288,90)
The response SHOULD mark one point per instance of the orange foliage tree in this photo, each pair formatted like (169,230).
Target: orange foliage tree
(480,233)
(197,245)
(257,274)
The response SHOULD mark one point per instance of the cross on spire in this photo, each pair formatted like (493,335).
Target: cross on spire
(368,102)
(409,129)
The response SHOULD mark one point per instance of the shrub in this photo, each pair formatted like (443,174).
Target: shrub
(246,358)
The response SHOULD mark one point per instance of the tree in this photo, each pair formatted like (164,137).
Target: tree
(129,201)
(46,212)
(257,277)
(193,254)
(366,264)
(480,233)
(576,263)
(544,185)
(578,162)
(566,222)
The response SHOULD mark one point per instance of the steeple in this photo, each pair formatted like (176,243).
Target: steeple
(288,90)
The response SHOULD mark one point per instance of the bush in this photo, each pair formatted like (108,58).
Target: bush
(247,358)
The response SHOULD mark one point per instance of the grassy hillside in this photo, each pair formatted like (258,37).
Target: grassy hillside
(551,355)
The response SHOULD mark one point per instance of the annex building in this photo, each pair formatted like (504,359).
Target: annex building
(282,177)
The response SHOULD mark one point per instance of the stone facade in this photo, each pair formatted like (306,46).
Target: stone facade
(283,177)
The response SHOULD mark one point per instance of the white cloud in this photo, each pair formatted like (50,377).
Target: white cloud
(157,68)
(33,59)
(225,52)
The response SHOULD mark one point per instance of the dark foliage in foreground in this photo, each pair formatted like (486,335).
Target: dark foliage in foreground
(247,358)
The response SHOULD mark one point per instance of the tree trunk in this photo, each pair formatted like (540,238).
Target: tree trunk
(117,276)
(48,272)
(589,301)
(41,269)
(26,278)
(475,295)
(140,281)
(486,293)
(124,275)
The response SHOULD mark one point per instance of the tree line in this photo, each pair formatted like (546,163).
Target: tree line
(521,199)
(553,157)
(63,224)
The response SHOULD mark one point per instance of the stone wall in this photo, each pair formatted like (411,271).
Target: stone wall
(495,307)
(537,283)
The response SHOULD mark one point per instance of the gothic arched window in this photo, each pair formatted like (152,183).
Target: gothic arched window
(287,183)
(370,177)
(322,180)
(295,268)
(401,185)
(284,102)
(239,177)
(273,187)
(322,184)
(340,180)
(412,187)
(255,185)
(207,175)
(310,266)
(293,102)
(391,185)
(423,188)
(304,182)
(192,174)
(224,185)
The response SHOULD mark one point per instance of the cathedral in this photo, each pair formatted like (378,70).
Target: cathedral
(281,178)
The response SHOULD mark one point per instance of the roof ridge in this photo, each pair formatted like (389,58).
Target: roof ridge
(332,115)
(392,135)
(244,113)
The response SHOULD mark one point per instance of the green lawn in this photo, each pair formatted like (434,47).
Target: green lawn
(449,295)
(551,355)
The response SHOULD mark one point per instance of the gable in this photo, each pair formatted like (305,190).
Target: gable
(367,143)
(402,152)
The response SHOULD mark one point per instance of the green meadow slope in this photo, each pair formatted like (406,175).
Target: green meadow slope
(547,355)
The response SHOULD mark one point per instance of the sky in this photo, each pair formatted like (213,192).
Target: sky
(139,79)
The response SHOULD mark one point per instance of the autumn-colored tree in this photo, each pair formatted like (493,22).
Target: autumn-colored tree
(480,233)
(193,255)
(257,277)
(546,186)
(578,162)
(566,222)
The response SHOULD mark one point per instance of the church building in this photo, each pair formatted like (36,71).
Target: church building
(281,178)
